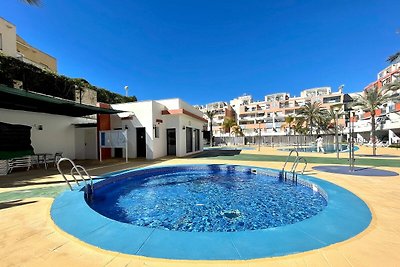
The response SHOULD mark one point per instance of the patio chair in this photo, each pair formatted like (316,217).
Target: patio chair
(23,162)
(53,158)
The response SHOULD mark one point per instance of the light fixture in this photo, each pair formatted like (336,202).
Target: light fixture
(126,90)
(38,127)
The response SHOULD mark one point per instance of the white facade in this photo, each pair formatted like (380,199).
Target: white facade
(55,133)
(156,117)
(8,38)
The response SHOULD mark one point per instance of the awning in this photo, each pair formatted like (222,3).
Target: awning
(126,115)
(17,99)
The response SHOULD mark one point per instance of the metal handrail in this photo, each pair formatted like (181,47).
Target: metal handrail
(297,163)
(74,168)
(86,173)
(287,159)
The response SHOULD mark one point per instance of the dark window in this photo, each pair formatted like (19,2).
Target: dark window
(196,140)
(189,139)
(156,132)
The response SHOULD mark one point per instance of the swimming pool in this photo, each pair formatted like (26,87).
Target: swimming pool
(229,148)
(313,148)
(343,216)
(206,199)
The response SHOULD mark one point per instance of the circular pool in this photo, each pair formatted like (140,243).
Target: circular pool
(210,212)
(206,199)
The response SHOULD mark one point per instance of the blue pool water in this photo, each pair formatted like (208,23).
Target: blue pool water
(327,148)
(343,217)
(206,199)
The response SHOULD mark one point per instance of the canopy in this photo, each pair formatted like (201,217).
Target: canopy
(17,99)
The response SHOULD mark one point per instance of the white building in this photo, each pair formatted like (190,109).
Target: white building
(57,125)
(159,128)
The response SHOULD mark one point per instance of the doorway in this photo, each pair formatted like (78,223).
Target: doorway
(141,142)
(118,153)
(196,139)
(189,140)
(171,142)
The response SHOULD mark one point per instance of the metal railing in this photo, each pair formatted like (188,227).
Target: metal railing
(77,168)
(283,175)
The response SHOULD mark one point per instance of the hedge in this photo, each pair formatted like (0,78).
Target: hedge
(45,82)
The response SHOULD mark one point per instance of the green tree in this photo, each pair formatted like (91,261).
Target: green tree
(371,100)
(228,124)
(313,116)
(210,115)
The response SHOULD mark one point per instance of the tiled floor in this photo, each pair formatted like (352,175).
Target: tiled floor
(28,237)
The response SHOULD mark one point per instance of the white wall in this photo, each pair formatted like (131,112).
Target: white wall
(186,121)
(80,143)
(143,118)
(146,115)
(8,38)
(86,143)
(58,133)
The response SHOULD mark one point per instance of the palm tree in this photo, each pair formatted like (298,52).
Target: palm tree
(289,120)
(210,114)
(393,86)
(298,127)
(32,2)
(228,124)
(394,58)
(237,130)
(371,99)
(313,116)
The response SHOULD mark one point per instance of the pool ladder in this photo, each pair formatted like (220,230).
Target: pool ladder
(78,169)
(283,175)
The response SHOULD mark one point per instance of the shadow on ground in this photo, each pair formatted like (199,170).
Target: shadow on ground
(363,171)
(378,156)
(217,153)
(40,176)
(14,203)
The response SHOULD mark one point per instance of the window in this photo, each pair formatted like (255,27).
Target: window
(189,140)
(156,132)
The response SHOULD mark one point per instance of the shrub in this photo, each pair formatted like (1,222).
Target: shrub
(45,82)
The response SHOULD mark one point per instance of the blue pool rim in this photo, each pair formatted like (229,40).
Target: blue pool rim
(345,216)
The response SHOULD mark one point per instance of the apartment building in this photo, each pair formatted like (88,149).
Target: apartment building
(387,116)
(267,117)
(11,44)
(220,110)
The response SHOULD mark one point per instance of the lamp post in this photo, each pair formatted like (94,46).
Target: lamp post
(259,136)
(336,135)
(126,87)
(347,100)
(340,90)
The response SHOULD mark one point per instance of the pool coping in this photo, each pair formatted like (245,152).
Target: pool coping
(345,216)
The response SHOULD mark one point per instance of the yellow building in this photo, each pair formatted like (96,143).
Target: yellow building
(13,45)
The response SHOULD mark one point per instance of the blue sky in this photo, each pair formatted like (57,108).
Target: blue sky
(210,50)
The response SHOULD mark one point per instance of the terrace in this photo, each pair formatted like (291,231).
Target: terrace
(26,198)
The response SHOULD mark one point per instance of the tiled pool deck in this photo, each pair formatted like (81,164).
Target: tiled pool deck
(28,236)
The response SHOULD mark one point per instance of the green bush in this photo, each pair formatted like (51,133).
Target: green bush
(41,81)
